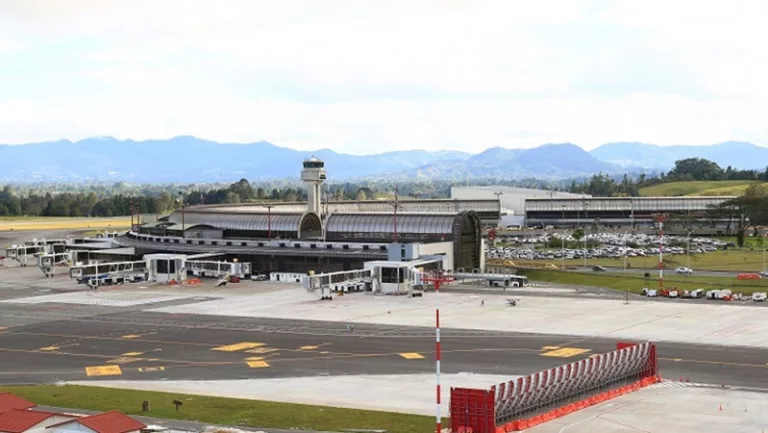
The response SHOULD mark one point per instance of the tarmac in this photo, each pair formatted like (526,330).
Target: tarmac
(278,342)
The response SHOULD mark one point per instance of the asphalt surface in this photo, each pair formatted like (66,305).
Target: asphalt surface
(59,343)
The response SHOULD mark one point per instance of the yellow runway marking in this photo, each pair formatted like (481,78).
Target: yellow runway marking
(255,358)
(104,370)
(566,352)
(49,348)
(149,369)
(130,336)
(308,347)
(258,364)
(550,347)
(262,350)
(411,355)
(238,346)
(133,353)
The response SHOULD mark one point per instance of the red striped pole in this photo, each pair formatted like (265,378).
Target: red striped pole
(437,352)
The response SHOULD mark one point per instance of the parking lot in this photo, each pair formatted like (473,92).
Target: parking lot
(599,245)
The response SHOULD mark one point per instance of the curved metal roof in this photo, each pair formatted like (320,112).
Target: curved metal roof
(385,223)
(287,222)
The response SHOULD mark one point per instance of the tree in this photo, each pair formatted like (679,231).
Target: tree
(696,169)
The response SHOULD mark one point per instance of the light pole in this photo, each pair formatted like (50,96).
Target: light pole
(660,218)
(764,235)
(624,251)
(183,227)
(688,250)
(269,220)
(586,218)
(498,197)
(562,251)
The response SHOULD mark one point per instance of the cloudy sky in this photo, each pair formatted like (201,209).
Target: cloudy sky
(367,76)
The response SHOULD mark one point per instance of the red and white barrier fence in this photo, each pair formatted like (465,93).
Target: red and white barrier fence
(527,401)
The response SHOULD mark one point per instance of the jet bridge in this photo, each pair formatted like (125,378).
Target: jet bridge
(109,268)
(493,279)
(209,268)
(325,281)
(47,262)
(21,253)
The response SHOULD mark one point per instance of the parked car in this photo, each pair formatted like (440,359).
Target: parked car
(684,270)
(759,296)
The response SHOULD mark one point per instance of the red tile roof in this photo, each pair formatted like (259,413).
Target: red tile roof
(18,420)
(108,422)
(9,401)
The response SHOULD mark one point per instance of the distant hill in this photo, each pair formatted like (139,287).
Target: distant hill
(190,159)
(736,154)
(550,161)
(187,159)
(698,188)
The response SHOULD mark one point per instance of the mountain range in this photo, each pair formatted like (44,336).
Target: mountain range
(189,159)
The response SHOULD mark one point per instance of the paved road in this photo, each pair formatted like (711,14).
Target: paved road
(670,273)
(145,345)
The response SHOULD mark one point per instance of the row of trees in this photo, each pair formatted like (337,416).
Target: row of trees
(112,200)
(685,170)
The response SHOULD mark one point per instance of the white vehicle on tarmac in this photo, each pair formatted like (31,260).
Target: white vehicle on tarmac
(759,296)
(683,270)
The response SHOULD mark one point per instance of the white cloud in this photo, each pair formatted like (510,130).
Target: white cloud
(368,76)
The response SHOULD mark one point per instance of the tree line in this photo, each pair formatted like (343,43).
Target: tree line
(684,170)
(104,200)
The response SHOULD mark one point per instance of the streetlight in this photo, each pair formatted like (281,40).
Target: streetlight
(688,250)
(269,220)
(586,218)
(183,227)
(498,197)
(624,251)
(764,235)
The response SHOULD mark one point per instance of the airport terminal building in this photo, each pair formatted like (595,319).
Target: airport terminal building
(624,212)
(324,237)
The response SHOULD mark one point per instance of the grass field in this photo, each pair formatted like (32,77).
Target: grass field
(636,282)
(55,223)
(710,188)
(732,260)
(222,411)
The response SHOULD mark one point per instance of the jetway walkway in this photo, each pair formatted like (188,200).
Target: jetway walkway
(113,268)
(506,278)
(21,253)
(327,280)
(47,262)
(206,268)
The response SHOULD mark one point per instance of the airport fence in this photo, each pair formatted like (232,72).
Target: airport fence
(545,395)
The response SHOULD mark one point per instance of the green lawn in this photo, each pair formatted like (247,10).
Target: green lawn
(709,188)
(223,411)
(731,260)
(636,282)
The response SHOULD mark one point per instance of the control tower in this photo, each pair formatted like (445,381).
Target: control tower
(313,175)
